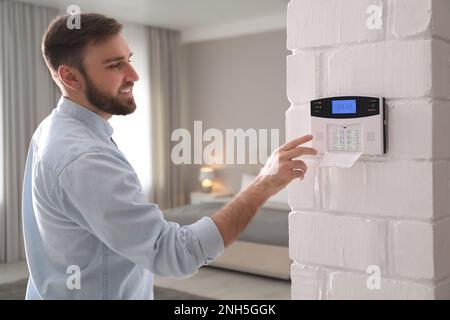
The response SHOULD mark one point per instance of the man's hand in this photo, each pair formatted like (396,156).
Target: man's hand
(281,168)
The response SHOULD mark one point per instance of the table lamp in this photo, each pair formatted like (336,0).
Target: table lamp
(206,177)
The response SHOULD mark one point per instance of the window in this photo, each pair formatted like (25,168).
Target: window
(132,133)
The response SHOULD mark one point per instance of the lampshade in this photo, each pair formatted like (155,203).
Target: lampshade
(206,173)
(206,177)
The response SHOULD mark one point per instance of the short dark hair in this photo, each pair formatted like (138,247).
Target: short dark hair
(64,45)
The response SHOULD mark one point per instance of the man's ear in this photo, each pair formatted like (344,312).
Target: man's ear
(69,77)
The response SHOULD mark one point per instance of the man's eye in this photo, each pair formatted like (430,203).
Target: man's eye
(114,66)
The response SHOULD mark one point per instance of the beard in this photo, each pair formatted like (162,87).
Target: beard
(108,103)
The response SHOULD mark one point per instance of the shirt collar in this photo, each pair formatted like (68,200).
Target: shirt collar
(90,118)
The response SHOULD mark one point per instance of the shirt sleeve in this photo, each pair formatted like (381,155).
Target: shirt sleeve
(103,194)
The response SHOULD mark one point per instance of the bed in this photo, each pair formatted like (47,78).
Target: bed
(261,249)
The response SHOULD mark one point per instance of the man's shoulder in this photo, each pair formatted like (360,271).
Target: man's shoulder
(60,140)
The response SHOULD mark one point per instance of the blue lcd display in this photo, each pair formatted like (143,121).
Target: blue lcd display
(343,106)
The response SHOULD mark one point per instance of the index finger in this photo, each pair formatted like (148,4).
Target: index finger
(294,143)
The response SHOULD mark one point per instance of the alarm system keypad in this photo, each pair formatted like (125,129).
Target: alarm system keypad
(352,124)
(344,138)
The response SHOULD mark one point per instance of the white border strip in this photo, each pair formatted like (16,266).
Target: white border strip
(235,29)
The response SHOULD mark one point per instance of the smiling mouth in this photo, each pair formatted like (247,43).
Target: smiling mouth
(126,92)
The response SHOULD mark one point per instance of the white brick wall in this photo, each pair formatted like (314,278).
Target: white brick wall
(380,188)
(307,283)
(339,241)
(402,117)
(301,73)
(392,211)
(345,286)
(412,249)
(420,250)
(326,23)
(311,283)
(411,17)
(441,239)
(391,69)
(441,114)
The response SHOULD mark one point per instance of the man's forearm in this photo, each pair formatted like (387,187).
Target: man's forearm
(279,170)
(232,219)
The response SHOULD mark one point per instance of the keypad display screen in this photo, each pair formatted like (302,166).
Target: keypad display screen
(343,106)
(347,107)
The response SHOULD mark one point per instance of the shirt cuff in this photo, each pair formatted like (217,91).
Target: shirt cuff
(209,237)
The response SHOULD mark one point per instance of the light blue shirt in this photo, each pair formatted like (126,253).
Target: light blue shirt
(84,207)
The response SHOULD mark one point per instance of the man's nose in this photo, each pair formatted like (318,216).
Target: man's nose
(131,74)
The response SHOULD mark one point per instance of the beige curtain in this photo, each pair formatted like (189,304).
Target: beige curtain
(27,96)
(168,179)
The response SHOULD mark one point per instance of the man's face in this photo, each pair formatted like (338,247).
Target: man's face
(109,76)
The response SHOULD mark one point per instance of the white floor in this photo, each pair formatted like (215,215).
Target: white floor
(229,285)
(207,282)
(11,272)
